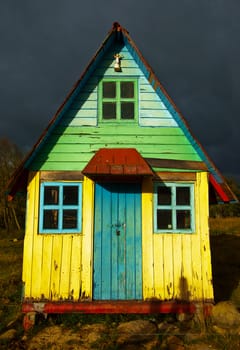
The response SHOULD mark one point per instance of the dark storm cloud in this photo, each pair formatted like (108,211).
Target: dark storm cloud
(193,46)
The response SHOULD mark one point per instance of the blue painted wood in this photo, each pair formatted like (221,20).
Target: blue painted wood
(117,242)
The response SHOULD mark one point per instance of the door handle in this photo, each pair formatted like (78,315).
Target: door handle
(118,232)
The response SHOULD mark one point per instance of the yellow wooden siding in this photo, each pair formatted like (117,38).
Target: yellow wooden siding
(147,241)
(87,253)
(175,266)
(178,265)
(56,266)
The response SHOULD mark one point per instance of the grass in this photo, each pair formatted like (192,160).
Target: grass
(11,246)
(227,225)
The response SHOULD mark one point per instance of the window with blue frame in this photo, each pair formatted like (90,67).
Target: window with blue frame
(174,208)
(60,207)
(118,100)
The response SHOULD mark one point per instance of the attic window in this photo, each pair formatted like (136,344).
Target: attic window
(60,207)
(118,100)
(174,208)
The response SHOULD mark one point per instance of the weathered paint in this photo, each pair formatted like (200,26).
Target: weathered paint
(51,263)
(174,266)
(74,145)
(177,265)
(111,307)
(117,242)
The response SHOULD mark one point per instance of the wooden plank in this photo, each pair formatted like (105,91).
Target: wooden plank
(186,285)
(56,264)
(36,244)
(69,152)
(159,121)
(76,267)
(159,291)
(177,266)
(46,263)
(147,239)
(168,266)
(64,280)
(29,232)
(173,140)
(175,176)
(163,163)
(87,238)
(104,129)
(112,307)
(61,175)
(202,180)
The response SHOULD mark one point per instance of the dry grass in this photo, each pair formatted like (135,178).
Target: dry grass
(229,225)
(11,246)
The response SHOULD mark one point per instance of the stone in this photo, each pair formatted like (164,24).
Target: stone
(8,335)
(225,315)
(173,343)
(136,331)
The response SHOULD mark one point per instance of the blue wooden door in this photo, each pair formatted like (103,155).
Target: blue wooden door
(117,273)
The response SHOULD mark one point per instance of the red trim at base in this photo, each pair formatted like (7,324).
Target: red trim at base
(109,307)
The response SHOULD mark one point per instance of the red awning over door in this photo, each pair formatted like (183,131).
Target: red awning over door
(117,162)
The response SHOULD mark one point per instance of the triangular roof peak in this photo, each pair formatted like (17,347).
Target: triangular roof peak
(121,35)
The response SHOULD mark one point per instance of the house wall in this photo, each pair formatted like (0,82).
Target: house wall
(56,266)
(79,134)
(59,267)
(178,266)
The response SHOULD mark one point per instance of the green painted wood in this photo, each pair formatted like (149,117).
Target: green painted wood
(80,133)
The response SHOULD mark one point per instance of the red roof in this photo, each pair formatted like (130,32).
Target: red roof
(117,161)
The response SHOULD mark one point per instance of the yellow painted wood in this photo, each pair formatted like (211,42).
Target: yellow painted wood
(147,239)
(202,180)
(177,265)
(197,280)
(168,265)
(36,244)
(87,238)
(185,280)
(28,239)
(159,291)
(65,266)
(174,265)
(76,266)
(56,266)
(46,270)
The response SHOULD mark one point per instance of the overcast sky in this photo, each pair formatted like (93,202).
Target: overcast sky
(192,45)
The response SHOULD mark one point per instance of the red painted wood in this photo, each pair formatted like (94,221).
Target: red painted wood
(109,307)
(220,191)
(117,161)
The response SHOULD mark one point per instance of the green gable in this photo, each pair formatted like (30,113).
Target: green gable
(81,131)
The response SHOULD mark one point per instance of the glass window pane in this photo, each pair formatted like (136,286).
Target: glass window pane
(182,195)
(164,195)
(70,195)
(109,110)
(183,219)
(69,219)
(164,219)
(109,89)
(127,110)
(127,89)
(50,219)
(51,194)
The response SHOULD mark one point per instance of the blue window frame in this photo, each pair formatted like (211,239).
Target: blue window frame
(60,207)
(174,208)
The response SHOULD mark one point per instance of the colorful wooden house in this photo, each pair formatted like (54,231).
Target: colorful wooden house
(118,192)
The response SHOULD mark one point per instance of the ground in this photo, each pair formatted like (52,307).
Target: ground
(103,332)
